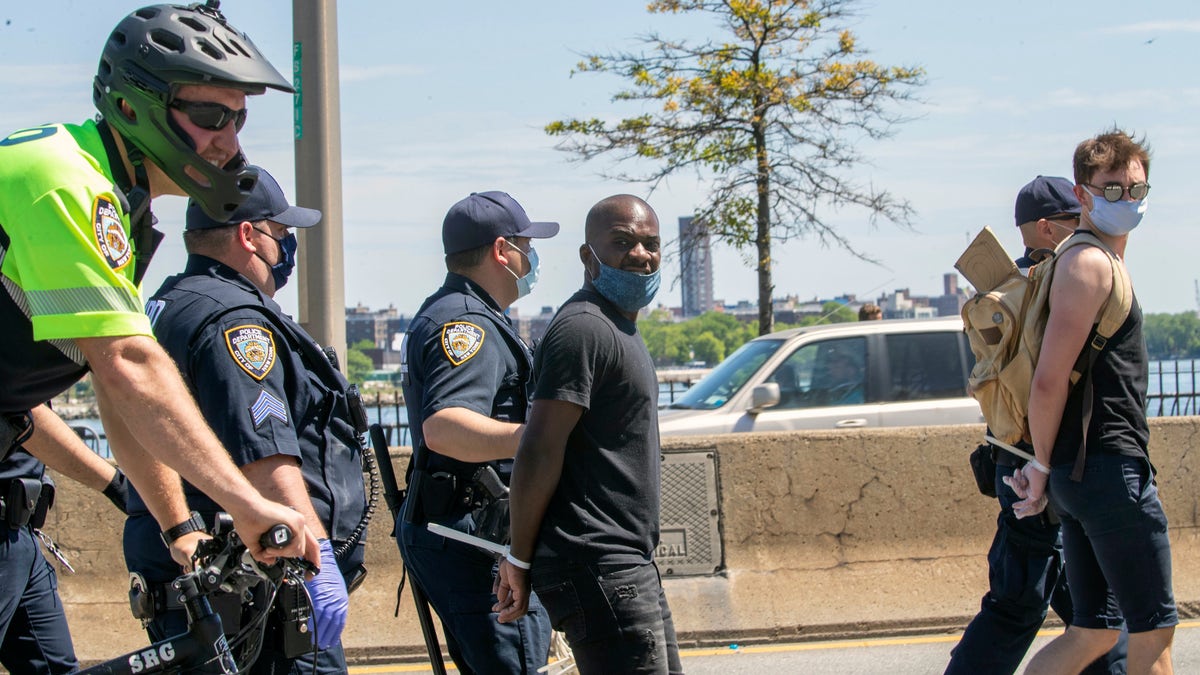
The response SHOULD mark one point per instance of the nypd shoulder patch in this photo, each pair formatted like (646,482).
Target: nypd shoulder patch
(461,341)
(252,348)
(110,234)
(266,406)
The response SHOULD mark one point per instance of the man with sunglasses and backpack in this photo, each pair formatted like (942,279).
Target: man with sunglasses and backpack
(76,235)
(1091,439)
(1025,561)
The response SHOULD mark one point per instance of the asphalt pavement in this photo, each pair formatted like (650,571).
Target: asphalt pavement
(914,655)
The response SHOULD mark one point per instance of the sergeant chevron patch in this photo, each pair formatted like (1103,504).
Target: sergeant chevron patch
(267,406)
(461,341)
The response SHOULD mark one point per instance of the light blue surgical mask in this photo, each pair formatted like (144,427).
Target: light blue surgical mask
(628,290)
(526,283)
(1117,218)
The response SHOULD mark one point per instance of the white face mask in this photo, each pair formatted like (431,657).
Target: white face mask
(526,283)
(1117,218)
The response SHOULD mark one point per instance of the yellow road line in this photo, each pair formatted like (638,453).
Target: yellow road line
(850,644)
(752,649)
(399,668)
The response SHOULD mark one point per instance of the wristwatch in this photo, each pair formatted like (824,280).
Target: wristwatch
(193,524)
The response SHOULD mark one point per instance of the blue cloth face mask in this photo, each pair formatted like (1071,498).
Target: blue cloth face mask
(628,290)
(1117,218)
(526,283)
(281,270)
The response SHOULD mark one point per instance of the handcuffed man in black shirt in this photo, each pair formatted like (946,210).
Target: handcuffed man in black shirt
(586,484)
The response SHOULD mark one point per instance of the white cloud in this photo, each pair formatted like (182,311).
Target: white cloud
(1164,26)
(46,76)
(354,74)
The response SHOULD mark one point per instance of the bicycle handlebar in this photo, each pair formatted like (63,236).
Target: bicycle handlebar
(221,565)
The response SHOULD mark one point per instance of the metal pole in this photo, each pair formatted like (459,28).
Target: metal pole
(320,277)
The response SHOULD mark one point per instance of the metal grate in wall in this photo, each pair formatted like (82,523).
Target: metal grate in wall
(690,540)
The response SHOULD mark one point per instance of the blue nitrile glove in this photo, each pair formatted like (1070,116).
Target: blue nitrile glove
(330,601)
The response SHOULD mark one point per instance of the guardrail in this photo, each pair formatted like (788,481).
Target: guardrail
(1172,393)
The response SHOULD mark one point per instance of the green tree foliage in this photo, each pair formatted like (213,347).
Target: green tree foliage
(1172,336)
(358,364)
(770,112)
(709,337)
(707,348)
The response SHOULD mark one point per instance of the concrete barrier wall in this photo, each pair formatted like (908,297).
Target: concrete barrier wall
(825,534)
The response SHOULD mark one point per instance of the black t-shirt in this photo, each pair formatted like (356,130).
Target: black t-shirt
(1119,377)
(606,505)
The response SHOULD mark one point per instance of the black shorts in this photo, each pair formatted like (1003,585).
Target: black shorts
(1115,541)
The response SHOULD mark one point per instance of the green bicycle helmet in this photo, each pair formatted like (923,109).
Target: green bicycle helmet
(148,56)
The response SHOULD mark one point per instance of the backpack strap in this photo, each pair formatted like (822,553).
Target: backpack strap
(1113,313)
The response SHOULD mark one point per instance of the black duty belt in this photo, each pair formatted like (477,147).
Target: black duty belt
(25,501)
(15,429)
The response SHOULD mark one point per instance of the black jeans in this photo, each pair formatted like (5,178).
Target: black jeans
(614,616)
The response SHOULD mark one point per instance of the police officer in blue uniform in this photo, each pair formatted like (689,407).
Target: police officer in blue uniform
(276,401)
(33,628)
(466,389)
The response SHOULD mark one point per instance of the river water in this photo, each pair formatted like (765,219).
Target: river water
(1172,392)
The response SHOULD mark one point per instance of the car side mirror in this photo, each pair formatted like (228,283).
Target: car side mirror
(763,396)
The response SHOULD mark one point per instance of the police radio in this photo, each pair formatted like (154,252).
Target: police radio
(294,611)
(332,357)
(358,411)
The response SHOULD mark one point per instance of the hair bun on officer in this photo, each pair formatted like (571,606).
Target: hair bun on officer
(483,216)
(265,202)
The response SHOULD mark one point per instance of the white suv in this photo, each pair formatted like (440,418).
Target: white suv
(858,374)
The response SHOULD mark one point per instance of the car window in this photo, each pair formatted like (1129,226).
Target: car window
(728,378)
(925,366)
(825,373)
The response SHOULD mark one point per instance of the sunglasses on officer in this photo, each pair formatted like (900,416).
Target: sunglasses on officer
(1113,192)
(210,115)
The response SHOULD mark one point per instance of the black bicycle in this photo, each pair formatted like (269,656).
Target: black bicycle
(222,565)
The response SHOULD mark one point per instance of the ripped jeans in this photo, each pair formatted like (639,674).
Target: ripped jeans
(614,616)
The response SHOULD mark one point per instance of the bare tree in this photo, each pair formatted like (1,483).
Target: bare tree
(770,112)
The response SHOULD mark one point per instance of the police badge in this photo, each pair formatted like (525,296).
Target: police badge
(461,341)
(252,348)
(110,234)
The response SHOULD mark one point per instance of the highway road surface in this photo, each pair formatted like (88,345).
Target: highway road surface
(914,655)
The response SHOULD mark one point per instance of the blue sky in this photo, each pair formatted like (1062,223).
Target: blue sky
(442,99)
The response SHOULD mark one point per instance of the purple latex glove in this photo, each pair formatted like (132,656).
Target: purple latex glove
(330,600)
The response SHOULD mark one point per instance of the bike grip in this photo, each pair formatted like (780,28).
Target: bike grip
(278,536)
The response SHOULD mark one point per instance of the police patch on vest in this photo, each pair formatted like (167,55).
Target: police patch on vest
(110,234)
(252,348)
(461,341)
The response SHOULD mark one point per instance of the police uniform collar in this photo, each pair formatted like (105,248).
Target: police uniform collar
(462,284)
(202,264)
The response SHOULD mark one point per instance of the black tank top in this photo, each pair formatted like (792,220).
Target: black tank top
(1119,378)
